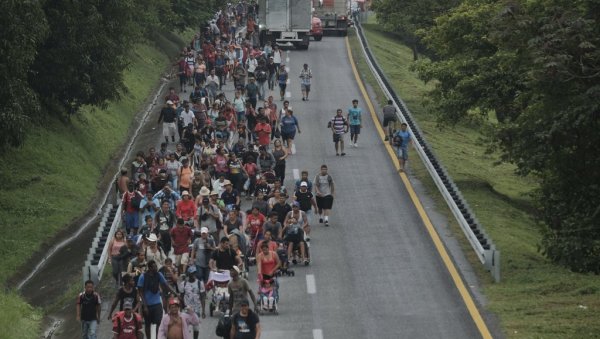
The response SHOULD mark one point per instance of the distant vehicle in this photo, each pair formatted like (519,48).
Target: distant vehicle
(333,15)
(286,22)
(316,29)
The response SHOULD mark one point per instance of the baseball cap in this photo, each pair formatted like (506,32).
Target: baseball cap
(174,301)
(204,230)
(304,184)
(128,304)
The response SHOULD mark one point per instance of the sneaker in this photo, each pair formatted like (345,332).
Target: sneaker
(387,138)
(320,220)
(337,154)
(306,262)
(303,99)
(294,261)
(355,144)
(306,99)
(343,154)
(307,238)
(327,223)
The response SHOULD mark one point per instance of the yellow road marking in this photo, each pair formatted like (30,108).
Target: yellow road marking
(456,278)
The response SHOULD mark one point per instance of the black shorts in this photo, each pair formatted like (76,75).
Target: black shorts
(388,119)
(325,203)
(154,315)
(286,136)
(338,137)
(295,238)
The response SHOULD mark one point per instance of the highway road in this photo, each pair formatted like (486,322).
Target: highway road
(375,272)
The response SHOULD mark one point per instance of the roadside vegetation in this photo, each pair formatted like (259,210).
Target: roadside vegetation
(536,297)
(64,117)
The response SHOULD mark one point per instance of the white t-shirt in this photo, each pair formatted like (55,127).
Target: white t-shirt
(187,117)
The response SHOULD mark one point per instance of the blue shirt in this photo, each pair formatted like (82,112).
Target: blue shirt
(404,136)
(354,115)
(151,298)
(288,124)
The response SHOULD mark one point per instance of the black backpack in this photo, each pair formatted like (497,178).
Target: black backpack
(261,76)
(135,201)
(224,326)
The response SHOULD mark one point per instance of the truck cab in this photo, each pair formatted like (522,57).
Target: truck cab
(316,29)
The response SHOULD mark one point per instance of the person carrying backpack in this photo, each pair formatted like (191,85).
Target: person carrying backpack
(339,127)
(131,208)
(88,310)
(127,324)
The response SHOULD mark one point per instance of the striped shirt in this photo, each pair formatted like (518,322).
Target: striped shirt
(339,124)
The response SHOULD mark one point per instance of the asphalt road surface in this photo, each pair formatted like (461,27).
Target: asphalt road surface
(375,272)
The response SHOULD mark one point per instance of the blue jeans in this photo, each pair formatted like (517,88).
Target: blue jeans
(88,329)
(131,221)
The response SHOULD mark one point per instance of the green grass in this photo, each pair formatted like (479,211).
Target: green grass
(51,180)
(535,299)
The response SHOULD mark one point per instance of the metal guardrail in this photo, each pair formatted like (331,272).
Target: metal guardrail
(482,244)
(99,252)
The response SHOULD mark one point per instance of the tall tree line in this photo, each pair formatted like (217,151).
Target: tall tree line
(56,55)
(535,66)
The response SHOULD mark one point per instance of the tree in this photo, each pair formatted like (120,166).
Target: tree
(405,17)
(23,29)
(83,58)
(536,65)
(556,134)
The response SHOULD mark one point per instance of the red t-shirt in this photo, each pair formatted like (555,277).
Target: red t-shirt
(186,209)
(255,223)
(127,327)
(264,133)
(181,237)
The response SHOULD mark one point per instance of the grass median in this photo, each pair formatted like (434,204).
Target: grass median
(51,180)
(536,299)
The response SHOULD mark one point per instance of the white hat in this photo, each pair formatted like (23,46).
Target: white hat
(152,237)
(226,182)
(169,102)
(184,193)
(203,230)
(304,184)
(204,191)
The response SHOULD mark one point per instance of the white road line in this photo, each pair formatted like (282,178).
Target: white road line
(293,148)
(318,333)
(311,285)
(296,173)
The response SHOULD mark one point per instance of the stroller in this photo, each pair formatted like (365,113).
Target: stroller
(217,283)
(268,296)
(284,269)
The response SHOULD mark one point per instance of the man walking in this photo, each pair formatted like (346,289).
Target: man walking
(305,78)
(355,120)
(389,119)
(402,139)
(88,310)
(167,117)
(325,192)
(339,127)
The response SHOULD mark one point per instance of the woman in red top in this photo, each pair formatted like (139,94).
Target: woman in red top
(263,130)
(267,262)
(255,221)
(186,208)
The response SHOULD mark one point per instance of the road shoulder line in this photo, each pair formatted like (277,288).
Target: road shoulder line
(456,278)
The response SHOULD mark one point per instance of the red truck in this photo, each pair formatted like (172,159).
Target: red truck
(316,29)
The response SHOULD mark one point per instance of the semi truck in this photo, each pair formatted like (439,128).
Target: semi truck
(333,15)
(285,22)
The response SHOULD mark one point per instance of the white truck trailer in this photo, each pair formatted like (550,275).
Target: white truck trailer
(286,22)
